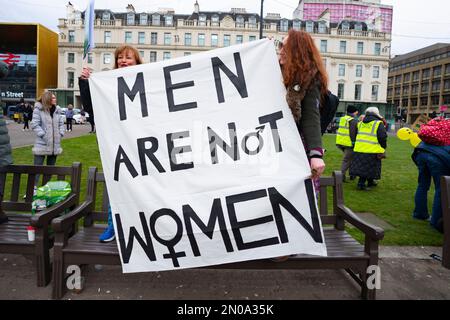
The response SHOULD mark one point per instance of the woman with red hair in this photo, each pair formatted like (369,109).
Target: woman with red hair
(306,80)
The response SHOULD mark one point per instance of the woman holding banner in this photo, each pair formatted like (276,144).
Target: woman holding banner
(306,81)
(124,56)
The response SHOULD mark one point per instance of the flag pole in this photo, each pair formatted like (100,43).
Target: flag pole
(88,45)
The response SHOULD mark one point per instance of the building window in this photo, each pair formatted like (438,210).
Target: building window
(252,22)
(425,87)
(389,92)
(141,37)
(107,37)
(436,86)
(447,85)
(187,54)
(447,68)
(167,38)
(345,26)
(143,19)
(71,35)
(106,58)
(343,47)
(397,91)
(166,56)
(360,48)
(89,57)
(284,25)
(214,40)
(323,45)
(226,40)
(398,79)
(154,38)
(414,102)
(358,70)
(424,101)
(70,79)
(153,56)
(309,26)
(415,76)
(239,39)
(341,70)
(322,27)
(71,57)
(406,77)
(187,39)
(201,39)
(296,24)
(215,20)
(435,100)
(357,92)
(358,27)
(239,21)
(130,19)
(446,99)
(405,90)
(169,20)
(414,89)
(156,21)
(425,73)
(128,37)
(376,72)
(202,20)
(251,38)
(341,90)
(106,16)
(437,71)
(377,49)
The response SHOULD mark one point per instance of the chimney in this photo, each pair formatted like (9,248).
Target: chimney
(196,7)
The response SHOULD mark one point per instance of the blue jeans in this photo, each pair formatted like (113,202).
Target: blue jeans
(110,222)
(430,166)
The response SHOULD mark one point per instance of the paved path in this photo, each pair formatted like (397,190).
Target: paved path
(21,138)
(406,273)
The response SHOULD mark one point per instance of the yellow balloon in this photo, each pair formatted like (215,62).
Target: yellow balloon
(414,140)
(404,133)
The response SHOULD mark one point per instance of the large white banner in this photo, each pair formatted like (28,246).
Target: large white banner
(203,162)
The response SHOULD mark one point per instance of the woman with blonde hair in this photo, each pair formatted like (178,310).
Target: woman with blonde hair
(124,56)
(48,124)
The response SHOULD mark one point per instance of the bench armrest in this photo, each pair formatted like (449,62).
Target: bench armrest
(62,224)
(44,217)
(375,233)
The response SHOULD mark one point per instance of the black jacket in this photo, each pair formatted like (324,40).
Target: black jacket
(85,94)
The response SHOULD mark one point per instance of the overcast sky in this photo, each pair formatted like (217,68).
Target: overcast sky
(417,23)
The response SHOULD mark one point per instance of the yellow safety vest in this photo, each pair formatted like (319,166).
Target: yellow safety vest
(366,139)
(343,132)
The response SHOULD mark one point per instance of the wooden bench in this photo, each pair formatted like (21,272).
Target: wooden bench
(343,251)
(445,200)
(13,233)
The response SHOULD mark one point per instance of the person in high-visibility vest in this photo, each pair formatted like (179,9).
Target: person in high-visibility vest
(370,146)
(346,136)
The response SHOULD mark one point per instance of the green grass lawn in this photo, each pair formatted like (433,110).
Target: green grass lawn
(392,200)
